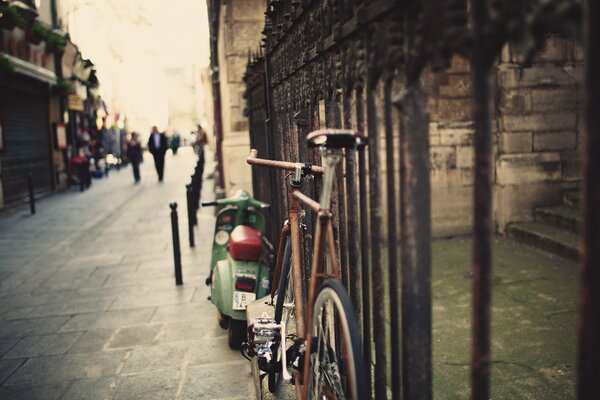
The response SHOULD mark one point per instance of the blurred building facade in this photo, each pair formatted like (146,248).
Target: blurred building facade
(46,88)
(235,29)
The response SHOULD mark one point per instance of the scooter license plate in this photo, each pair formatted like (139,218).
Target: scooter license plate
(241,300)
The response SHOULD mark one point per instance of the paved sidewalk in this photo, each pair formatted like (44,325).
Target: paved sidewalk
(88,303)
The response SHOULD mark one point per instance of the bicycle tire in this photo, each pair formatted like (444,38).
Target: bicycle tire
(285,293)
(337,369)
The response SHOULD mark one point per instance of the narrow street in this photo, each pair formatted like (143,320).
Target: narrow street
(89,308)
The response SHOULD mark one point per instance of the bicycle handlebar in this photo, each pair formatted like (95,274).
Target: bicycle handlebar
(285,165)
(210,203)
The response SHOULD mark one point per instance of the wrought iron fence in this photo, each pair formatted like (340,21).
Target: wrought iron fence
(358,64)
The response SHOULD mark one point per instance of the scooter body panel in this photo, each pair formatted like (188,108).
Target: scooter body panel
(228,299)
(226,222)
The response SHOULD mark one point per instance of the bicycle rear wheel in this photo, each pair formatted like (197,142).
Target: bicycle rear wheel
(283,309)
(336,366)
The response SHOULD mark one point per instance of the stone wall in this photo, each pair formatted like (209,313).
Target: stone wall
(539,118)
(536,136)
(240,31)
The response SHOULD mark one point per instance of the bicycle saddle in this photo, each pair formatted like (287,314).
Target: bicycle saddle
(336,139)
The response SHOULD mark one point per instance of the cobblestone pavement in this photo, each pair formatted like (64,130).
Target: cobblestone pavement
(88,303)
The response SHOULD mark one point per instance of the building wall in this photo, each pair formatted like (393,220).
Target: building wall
(240,31)
(536,140)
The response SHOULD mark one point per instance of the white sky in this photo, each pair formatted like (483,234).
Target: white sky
(131,42)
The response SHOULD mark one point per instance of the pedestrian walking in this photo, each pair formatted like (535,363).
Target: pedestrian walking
(157,145)
(134,154)
(175,142)
(201,140)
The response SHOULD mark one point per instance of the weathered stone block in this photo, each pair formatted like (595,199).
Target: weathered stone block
(555,49)
(516,203)
(456,136)
(512,169)
(242,36)
(515,101)
(571,166)
(236,68)
(511,77)
(452,109)
(248,10)
(518,142)
(465,157)
(458,85)
(442,158)
(554,99)
(540,122)
(459,64)
(543,141)
(451,210)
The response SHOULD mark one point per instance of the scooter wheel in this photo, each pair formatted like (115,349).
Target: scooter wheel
(224,321)
(236,333)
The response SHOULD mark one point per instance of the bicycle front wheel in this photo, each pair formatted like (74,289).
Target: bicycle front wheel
(337,370)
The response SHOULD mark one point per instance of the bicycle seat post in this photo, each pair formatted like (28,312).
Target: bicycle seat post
(332,157)
(297,179)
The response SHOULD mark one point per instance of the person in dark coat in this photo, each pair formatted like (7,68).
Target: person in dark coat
(158,145)
(134,154)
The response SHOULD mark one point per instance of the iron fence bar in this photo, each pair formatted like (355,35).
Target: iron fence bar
(376,237)
(392,245)
(365,284)
(589,319)
(352,213)
(342,220)
(415,232)
(482,198)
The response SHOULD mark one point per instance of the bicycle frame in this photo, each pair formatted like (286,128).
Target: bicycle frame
(323,238)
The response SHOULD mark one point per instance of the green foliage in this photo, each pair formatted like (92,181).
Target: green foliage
(11,16)
(39,30)
(63,87)
(55,40)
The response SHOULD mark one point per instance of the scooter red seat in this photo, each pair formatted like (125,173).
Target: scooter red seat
(245,243)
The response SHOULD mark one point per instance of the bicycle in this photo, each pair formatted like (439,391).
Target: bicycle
(326,354)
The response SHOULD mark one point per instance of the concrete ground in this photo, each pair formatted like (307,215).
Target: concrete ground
(89,308)
(534,323)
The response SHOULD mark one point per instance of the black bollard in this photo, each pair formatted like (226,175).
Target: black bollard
(81,176)
(176,250)
(188,193)
(31,197)
(195,201)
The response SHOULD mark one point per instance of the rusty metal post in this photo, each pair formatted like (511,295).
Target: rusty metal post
(392,245)
(589,319)
(376,238)
(352,213)
(415,214)
(364,240)
(481,64)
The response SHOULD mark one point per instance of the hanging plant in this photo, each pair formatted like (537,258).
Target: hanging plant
(63,87)
(37,32)
(56,42)
(10,17)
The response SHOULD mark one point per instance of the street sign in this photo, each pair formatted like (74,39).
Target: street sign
(75,103)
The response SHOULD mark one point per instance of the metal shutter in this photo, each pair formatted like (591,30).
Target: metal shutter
(26,134)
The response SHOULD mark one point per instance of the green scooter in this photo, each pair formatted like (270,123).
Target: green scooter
(240,265)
